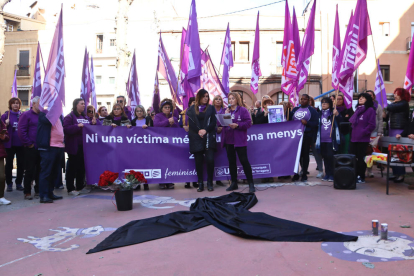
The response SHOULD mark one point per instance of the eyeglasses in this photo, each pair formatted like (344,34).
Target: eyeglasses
(120,101)
(117,109)
(90,111)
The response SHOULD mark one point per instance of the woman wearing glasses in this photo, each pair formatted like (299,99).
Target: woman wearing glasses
(72,127)
(90,113)
(117,117)
(141,119)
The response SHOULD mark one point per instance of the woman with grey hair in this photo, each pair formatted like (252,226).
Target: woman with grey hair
(141,119)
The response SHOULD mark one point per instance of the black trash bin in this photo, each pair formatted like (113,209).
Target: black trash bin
(124,200)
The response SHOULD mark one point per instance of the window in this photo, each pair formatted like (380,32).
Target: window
(385,71)
(23,66)
(111,80)
(112,42)
(279,50)
(99,103)
(23,96)
(233,48)
(244,51)
(10,28)
(108,106)
(99,44)
(98,80)
(281,97)
(385,28)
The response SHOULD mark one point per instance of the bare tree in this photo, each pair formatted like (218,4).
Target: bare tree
(122,58)
(2,29)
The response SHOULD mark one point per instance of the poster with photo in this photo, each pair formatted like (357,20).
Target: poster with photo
(276,114)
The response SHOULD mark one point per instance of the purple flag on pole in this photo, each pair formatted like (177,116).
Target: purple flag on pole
(296,37)
(289,73)
(183,64)
(308,46)
(194,55)
(37,79)
(167,71)
(210,80)
(344,83)
(53,92)
(354,50)
(256,72)
(409,75)
(133,89)
(93,87)
(336,52)
(14,86)
(380,93)
(227,60)
(156,94)
(85,93)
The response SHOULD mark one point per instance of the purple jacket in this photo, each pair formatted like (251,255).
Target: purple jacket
(241,117)
(361,132)
(28,128)
(14,137)
(160,120)
(73,133)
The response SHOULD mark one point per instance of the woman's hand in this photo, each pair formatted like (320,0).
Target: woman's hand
(219,130)
(398,136)
(80,125)
(411,136)
(186,128)
(113,125)
(227,110)
(233,125)
(202,132)
(266,112)
(128,126)
(171,120)
(304,122)
(7,122)
(94,121)
(335,112)
(144,126)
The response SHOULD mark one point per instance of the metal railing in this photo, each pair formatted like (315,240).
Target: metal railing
(23,70)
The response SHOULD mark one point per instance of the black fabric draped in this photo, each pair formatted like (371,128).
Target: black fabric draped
(229,213)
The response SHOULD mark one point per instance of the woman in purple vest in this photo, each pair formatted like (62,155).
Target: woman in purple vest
(234,138)
(72,127)
(363,123)
(14,146)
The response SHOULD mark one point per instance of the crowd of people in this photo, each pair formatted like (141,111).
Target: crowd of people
(39,147)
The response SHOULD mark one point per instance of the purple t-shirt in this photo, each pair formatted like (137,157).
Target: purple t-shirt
(326,127)
(302,114)
(140,122)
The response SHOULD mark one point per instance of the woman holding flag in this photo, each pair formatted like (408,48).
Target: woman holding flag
(234,139)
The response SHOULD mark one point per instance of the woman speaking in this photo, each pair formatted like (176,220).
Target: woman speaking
(234,138)
(202,135)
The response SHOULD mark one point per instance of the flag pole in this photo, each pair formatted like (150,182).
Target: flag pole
(333,118)
(179,69)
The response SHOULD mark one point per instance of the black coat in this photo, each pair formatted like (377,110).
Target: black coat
(345,126)
(197,143)
(148,121)
(398,114)
(260,118)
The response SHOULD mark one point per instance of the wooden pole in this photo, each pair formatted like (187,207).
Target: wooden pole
(333,118)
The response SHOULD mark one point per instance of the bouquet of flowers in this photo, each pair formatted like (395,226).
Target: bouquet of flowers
(133,179)
(110,180)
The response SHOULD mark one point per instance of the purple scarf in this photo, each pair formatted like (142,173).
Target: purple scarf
(354,119)
(201,108)
(340,108)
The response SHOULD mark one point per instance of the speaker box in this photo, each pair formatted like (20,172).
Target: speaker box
(344,171)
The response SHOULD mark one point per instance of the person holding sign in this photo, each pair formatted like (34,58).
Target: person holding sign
(202,135)
(309,118)
(262,115)
(234,138)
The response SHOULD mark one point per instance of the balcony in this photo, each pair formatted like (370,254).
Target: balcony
(23,70)
(408,43)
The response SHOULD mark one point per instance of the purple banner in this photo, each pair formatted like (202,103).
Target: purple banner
(162,154)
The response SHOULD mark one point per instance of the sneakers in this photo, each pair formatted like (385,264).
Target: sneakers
(9,188)
(330,179)
(85,190)
(326,178)
(320,175)
(19,187)
(4,201)
(28,196)
(360,180)
(74,193)
(36,195)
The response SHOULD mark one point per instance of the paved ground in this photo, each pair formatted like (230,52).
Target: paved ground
(206,251)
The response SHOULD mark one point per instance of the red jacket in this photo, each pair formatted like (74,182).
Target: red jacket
(3,153)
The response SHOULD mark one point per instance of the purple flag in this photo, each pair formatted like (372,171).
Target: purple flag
(194,52)
(133,89)
(345,82)
(289,73)
(409,75)
(355,46)
(308,46)
(93,87)
(256,72)
(296,37)
(167,71)
(53,92)
(227,60)
(336,52)
(380,93)
(156,94)
(14,86)
(210,80)
(85,92)
(37,79)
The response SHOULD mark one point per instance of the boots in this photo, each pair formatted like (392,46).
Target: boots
(233,186)
(210,186)
(200,187)
(251,187)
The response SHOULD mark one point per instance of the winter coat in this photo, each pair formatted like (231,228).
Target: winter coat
(13,135)
(260,118)
(241,116)
(44,129)
(27,129)
(398,114)
(161,120)
(109,120)
(366,124)
(208,123)
(73,133)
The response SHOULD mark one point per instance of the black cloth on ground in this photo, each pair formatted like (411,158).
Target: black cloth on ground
(229,213)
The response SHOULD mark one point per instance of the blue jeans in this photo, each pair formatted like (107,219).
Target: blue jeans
(49,168)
